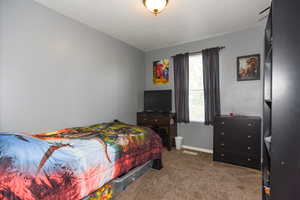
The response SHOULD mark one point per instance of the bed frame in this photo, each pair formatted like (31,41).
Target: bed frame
(116,186)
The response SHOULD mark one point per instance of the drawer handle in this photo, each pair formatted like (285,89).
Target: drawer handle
(249,124)
(223,145)
(222,133)
(249,159)
(223,123)
(222,155)
(249,136)
(249,148)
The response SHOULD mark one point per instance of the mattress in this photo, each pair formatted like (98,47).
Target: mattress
(74,162)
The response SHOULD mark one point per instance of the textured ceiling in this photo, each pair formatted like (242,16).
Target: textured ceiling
(182,21)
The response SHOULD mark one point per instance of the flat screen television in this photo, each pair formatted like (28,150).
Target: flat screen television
(158,101)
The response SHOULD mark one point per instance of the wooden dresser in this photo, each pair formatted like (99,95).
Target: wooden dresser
(237,140)
(164,124)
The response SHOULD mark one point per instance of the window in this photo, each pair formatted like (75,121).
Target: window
(196,96)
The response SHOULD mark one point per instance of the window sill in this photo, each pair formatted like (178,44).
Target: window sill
(197,122)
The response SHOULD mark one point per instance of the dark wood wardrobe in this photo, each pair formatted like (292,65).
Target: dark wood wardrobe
(281,149)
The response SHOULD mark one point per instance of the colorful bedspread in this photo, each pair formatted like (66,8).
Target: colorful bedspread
(71,163)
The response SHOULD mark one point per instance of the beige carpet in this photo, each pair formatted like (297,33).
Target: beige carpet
(186,177)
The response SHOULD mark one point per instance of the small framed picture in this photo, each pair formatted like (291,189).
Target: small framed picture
(161,71)
(248,68)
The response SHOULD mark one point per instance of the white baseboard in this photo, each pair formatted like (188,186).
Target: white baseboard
(197,149)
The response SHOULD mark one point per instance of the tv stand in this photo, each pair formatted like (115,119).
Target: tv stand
(165,124)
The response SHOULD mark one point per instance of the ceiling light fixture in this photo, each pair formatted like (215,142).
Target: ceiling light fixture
(156,6)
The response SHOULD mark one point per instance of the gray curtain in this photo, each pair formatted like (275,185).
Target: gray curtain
(181,81)
(211,84)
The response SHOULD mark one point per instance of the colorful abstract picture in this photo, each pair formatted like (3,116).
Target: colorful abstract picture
(248,68)
(161,71)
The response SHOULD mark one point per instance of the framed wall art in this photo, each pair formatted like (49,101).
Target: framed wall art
(248,68)
(161,71)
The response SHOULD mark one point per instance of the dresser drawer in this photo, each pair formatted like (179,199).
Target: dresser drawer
(232,122)
(251,161)
(161,120)
(236,138)
(144,120)
(249,124)
(251,147)
(154,119)
(223,124)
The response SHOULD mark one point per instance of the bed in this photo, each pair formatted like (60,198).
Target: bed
(74,163)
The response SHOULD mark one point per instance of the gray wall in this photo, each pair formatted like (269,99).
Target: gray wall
(57,73)
(238,97)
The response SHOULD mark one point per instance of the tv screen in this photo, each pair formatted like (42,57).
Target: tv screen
(158,101)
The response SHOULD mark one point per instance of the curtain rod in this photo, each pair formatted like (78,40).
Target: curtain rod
(196,52)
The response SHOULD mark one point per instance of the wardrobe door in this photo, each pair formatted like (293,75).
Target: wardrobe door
(285,166)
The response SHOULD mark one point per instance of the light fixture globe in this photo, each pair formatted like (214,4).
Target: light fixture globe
(156,6)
